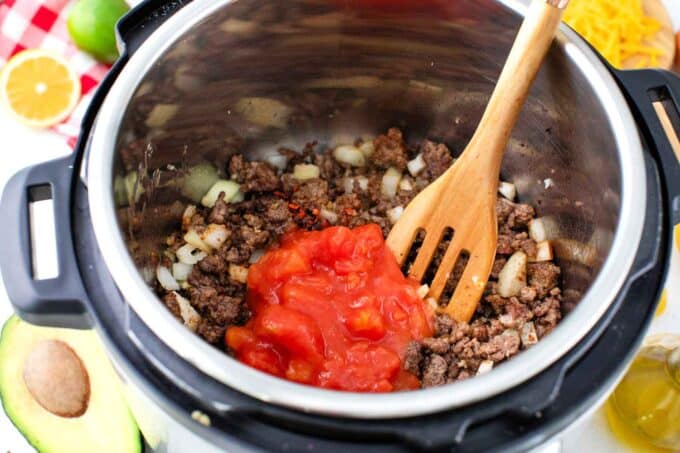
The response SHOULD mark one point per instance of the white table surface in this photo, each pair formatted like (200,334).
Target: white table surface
(22,146)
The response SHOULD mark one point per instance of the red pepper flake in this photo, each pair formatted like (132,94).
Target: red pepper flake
(315,212)
(350,211)
(293,206)
(301,215)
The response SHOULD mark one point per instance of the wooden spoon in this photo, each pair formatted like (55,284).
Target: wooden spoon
(464,197)
(664,39)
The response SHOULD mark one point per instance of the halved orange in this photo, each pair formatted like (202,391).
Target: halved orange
(39,88)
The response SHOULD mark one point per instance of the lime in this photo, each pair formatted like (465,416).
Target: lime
(92,23)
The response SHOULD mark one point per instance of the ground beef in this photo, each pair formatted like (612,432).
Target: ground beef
(543,277)
(494,332)
(219,212)
(311,194)
(253,176)
(275,202)
(437,157)
(390,150)
(434,371)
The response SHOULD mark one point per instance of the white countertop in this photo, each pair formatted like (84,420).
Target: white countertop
(22,146)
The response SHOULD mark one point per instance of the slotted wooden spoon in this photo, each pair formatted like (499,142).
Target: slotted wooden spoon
(464,197)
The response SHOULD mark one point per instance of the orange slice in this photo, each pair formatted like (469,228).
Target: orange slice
(39,88)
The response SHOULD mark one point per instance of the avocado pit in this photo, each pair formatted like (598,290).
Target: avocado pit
(57,379)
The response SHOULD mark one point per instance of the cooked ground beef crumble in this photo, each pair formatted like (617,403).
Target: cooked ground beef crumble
(275,202)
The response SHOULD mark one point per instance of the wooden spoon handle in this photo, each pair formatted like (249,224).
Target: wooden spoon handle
(532,43)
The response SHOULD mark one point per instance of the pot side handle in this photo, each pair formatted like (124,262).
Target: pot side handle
(654,96)
(142,20)
(58,299)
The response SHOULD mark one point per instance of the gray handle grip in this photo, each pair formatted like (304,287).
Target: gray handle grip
(58,301)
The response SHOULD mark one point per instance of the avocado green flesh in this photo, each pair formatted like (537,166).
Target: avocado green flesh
(107,425)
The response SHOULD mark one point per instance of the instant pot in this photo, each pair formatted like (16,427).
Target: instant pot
(594,150)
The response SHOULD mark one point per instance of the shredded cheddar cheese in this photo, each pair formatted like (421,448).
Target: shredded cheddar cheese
(616,28)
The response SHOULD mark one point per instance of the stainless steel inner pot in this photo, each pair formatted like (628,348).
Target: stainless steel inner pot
(336,69)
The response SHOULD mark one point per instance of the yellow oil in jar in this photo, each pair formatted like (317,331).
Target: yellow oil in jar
(644,410)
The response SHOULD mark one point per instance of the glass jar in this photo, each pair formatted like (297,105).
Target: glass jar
(647,401)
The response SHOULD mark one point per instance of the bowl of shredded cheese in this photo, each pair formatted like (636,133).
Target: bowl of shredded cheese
(630,34)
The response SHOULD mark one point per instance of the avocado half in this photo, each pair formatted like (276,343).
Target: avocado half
(59,389)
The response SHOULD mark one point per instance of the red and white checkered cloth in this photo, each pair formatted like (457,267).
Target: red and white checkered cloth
(30,24)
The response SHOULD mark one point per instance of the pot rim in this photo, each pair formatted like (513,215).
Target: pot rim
(274,390)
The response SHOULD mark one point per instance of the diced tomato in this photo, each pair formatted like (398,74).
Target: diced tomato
(295,331)
(331,308)
(406,381)
(238,337)
(300,371)
(366,322)
(263,358)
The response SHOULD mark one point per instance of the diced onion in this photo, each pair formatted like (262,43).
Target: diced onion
(303,172)
(508,190)
(537,230)
(423,291)
(189,315)
(395,213)
(166,279)
(528,334)
(349,155)
(405,185)
(544,228)
(193,238)
(188,214)
(390,182)
(485,367)
(432,303)
(185,254)
(239,197)
(238,273)
(181,271)
(329,215)
(255,256)
(161,114)
(215,235)
(348,183)
(367,148)
(513,276)
(507,320)
(544,251)
(199,180)
(416,165)
(230,189)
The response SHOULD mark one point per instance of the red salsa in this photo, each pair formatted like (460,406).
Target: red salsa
(332,309)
